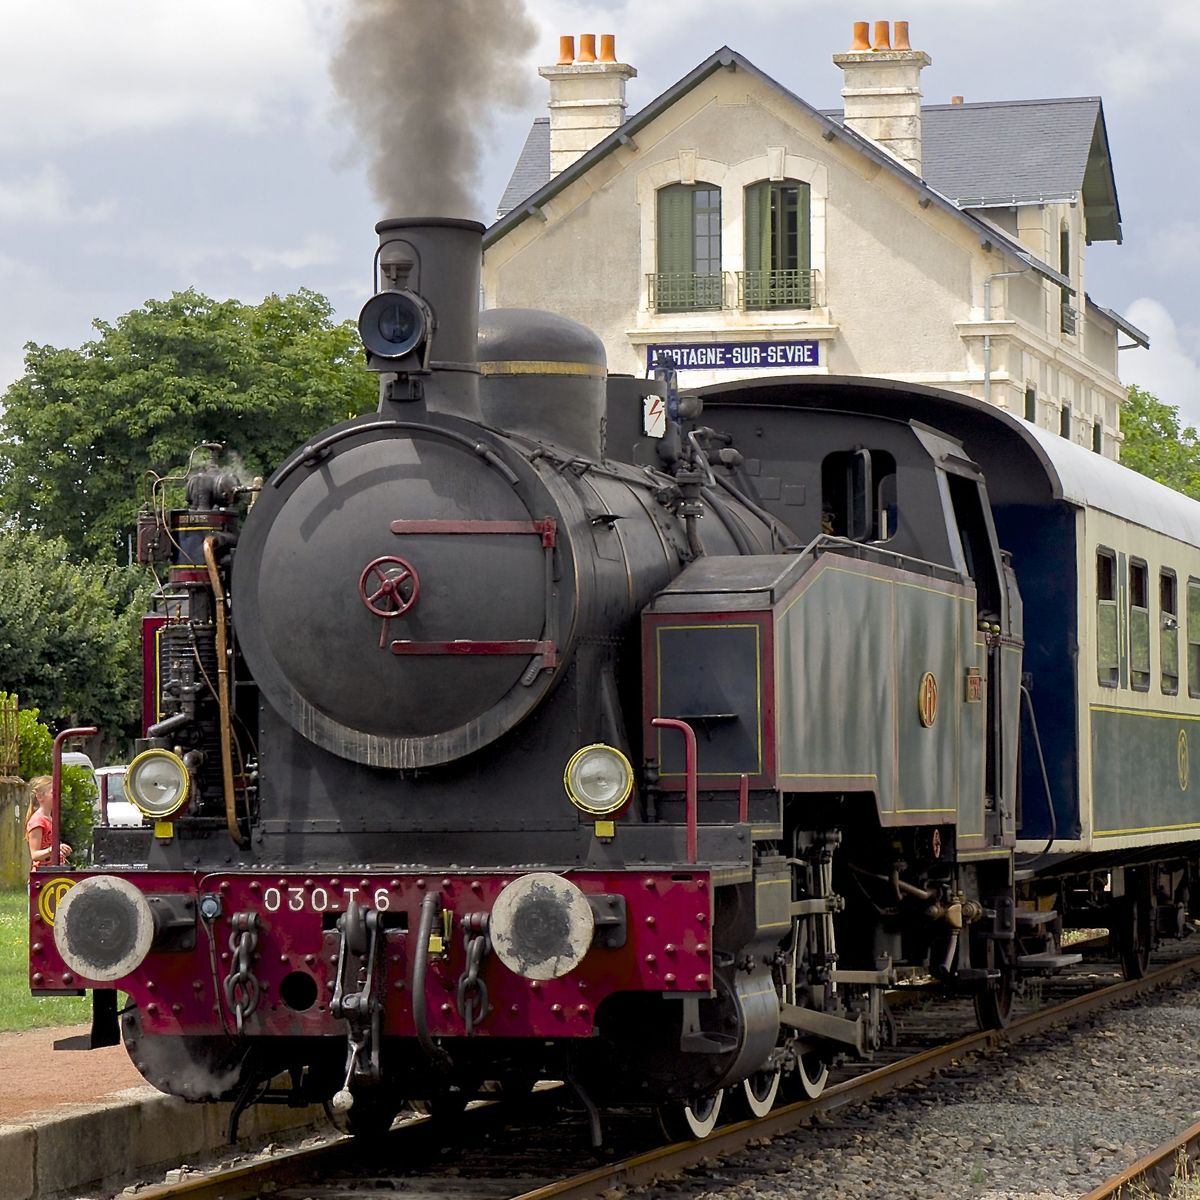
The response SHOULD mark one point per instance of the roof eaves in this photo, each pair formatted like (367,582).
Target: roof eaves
(1140,338)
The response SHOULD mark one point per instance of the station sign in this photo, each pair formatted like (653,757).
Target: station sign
(725,356)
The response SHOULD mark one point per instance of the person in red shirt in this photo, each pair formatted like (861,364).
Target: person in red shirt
(39,825)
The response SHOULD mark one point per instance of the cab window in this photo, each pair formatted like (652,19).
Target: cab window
(858,495)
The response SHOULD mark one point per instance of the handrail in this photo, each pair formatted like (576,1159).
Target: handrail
(56,789)
(689,766)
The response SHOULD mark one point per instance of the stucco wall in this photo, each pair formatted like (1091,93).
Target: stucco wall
(900,290)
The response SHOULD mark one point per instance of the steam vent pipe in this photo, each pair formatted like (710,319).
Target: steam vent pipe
(439,259)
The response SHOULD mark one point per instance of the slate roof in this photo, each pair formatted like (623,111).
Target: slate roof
(981,155)
(532,169)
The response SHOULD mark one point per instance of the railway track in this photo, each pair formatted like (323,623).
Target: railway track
(475,1158)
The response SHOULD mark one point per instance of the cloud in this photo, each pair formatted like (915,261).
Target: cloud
(1169,369)
(76,70)
(1175,248)
(44,198)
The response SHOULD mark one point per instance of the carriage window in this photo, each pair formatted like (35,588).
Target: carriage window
(1168,643)
(858,495)
(1139,627)
(1193,637)
(1108,669)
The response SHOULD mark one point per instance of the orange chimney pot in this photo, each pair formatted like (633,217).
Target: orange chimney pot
(900,41)
(566,50)
(608,47)
(587,48)
(956,99)
(883,36)
(860,41)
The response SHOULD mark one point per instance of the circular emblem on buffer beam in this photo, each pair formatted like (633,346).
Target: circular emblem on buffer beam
(927,699)
(1184,765)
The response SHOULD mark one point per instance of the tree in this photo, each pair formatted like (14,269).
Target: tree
(82,427)
(69,633)
(1156,446)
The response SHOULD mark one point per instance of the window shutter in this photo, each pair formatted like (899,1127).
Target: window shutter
(675,229)
(758,226)
(803,230)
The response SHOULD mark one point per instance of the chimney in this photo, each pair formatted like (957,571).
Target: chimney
(587,97)
(882,90)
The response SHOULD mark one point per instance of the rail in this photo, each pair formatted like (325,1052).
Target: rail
(665,1161)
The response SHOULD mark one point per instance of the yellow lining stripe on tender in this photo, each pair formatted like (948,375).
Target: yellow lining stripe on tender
(1142,712)
(542,367)
(1148,829)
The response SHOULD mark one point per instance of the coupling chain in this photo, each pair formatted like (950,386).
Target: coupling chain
(472,990)
(242,988)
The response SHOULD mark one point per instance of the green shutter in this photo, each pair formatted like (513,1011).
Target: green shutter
(804,221)
(675,230)
(758,227)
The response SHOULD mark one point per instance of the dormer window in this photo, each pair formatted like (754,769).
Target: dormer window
(778,270)
(689,249)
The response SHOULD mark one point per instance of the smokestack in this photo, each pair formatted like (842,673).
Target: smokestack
(882,90)
(438,259)
(587,98)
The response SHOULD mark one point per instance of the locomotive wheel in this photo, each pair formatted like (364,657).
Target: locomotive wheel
(755,1096)
(994,1001)
(370,1117)
(1132,933)
(690,1120)
(809,1078)
(444,1105)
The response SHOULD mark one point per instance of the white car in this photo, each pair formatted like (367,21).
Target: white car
(112,806)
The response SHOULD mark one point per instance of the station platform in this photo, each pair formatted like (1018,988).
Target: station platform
(77,1123)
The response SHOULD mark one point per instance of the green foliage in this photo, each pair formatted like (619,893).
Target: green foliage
(81,427)
(69,633)
(37,743)
(1156,445)
(79,792)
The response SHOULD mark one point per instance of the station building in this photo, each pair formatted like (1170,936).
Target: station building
(735,230)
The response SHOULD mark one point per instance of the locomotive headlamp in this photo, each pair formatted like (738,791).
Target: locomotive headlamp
(598,779)
(394,324)
(158,783)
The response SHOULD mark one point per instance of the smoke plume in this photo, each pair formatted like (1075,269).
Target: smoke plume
(421,80)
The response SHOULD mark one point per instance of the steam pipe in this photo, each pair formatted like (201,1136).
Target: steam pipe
(692,800)
(214,577)
(56,789)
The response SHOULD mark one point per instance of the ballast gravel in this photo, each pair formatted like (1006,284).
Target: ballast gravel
(1048,1119)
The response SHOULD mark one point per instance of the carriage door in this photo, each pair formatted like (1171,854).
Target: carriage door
(1000,620)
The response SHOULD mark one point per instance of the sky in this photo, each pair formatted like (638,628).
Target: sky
(147,146)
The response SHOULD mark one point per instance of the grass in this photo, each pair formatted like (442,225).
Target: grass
(18,1009)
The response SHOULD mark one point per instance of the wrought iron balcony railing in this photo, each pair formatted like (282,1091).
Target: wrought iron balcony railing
(685,291)
(1070,319)
(777,289)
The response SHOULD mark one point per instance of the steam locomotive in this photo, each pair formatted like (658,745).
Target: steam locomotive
(551,724)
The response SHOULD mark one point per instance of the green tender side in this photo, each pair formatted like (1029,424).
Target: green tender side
(845,725)
(1143,777)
